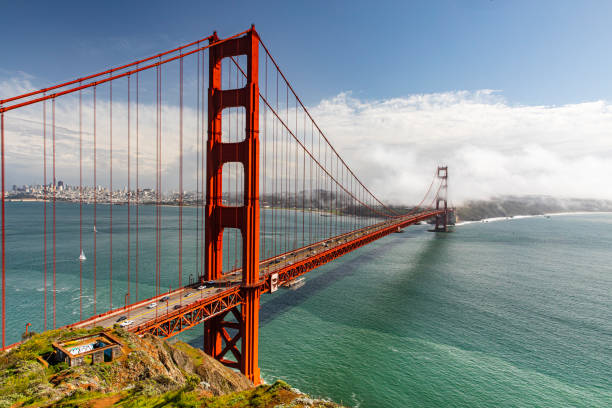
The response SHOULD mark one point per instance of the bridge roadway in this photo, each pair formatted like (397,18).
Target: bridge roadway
(188,306)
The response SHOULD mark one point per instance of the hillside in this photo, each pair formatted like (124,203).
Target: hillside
(508,206)
(149,373)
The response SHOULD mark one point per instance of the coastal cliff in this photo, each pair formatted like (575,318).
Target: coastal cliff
(508,206)
(147,372)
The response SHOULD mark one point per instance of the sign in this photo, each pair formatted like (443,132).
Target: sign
(82,349)
(273,282)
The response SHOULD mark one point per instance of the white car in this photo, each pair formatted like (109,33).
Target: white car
(201,287)
(152,305)
(126,323)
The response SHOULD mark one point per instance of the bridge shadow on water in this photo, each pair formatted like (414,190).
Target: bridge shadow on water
(344,268)
(397,300)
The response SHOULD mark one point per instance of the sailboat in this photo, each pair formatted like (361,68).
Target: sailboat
(82,257)
(95,230)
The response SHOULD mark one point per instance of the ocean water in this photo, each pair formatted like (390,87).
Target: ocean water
(76,294)
(503,314)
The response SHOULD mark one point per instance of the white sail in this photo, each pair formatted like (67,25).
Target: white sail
(95,230)
(82,257)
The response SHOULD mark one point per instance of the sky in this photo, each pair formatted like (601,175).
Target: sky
(514,96)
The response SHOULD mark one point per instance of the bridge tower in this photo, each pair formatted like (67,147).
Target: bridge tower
(441,200)
(221,335)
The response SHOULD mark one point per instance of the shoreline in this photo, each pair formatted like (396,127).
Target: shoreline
(519,217)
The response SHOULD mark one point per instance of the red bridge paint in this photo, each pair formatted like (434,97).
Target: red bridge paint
(231,314)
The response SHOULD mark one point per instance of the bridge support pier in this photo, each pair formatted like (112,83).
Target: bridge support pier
(221,335)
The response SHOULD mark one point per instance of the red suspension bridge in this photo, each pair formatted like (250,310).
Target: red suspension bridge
(266,197)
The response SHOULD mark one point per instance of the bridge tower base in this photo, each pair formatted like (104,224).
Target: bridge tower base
(223,332)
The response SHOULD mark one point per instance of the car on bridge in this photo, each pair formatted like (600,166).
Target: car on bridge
(201,287)
(152,305)
(165,299)
(126,323)
(121,318)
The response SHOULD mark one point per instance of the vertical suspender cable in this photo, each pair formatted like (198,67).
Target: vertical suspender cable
(197,246)
(80,203)
(304,184)
(284,192)
(276,173)
(262,216)
(161,196)
(129,187)
(286,175)
(137,193)
(95,203)
(318,188)
(110,265)
(310,180)
(157,184)
(54,197)
(3,235)
(326,226)
(295,184)
(337,192)
(287,180)
(180,260)
(202,168)
(237,111)
(45,198)
(227,236)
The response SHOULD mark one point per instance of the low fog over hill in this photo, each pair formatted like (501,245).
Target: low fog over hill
(507,206)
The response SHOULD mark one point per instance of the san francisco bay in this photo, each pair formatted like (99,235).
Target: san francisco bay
(508,313)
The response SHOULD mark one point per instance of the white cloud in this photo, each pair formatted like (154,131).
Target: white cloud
(24,137)
(393,145)
(490,146)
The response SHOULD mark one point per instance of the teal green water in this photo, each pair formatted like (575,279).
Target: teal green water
(506,314)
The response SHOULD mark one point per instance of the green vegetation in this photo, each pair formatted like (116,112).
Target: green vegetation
(277,395)
(509,206)
(193,353)
(151,373)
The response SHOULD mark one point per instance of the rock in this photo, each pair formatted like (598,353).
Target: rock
(304,401)
(151,371)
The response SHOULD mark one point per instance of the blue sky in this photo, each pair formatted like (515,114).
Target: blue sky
(536,52)
(515,96)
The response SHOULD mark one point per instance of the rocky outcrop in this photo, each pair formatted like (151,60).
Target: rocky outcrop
(150,372)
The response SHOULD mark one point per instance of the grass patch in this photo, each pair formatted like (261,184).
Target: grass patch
(260,397)
(78,398)
(193,353)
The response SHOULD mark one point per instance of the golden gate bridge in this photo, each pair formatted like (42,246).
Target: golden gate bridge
(257,149)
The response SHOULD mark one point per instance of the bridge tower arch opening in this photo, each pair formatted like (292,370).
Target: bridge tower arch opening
(234,333)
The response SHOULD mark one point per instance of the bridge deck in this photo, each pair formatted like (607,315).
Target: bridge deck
(188,306)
